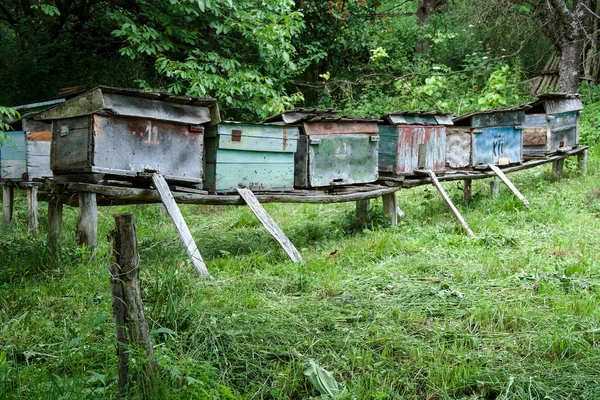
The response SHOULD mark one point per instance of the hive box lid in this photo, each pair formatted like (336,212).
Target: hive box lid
(493,117)
(136,103)
(312,115)
(418,117)
(555,103)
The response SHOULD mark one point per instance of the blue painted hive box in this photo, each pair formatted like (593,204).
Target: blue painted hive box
(332,149)
(257,156)
(551,124)
(411,141)
(25,152)
(486,137)
(123,133)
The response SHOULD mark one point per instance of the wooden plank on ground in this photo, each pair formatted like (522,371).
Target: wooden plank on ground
(184,232)
(508,183)
(269,224)
(454,210)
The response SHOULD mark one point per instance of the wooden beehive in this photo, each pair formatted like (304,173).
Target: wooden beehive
(551,124)
(486,137)
(122,133)
(332,149)
(25,152)
(257,156)
(413,140)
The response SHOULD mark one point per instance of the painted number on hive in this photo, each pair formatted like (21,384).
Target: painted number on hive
(151,135)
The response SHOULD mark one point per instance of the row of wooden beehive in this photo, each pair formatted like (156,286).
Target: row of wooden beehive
(120,133)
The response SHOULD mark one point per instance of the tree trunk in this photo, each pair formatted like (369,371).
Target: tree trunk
(425,9)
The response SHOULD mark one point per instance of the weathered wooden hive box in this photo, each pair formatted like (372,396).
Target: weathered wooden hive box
(25,153)
(257,156)
(122,133)
(551,124)
(413,140)
(486,137)
(332,149)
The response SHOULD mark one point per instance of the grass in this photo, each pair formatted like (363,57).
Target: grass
(415,311)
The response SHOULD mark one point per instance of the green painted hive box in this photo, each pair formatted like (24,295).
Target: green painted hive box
(259,157)
(332,150)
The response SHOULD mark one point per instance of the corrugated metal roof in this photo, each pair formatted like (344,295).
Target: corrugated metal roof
(156,95)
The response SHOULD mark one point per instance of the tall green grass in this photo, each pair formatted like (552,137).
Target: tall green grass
(415,311)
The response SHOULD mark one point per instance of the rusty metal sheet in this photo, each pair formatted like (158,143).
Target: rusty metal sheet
(418,147)
(335,128)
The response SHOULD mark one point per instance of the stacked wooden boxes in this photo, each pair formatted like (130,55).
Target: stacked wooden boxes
(412,141)
(123,133)
(257,156)
(332,149)
(551,124)
(25,152)
(486,137)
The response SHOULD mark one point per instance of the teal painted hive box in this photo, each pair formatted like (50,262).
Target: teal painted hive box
(551,124)
(332,150)
(259,157)
(412,141)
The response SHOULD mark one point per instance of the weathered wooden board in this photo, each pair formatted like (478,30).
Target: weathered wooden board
(260,157)
(458,147)
(182,229)
(451,205)
(125,146)
(495,119)
(13,156)
(508,183)
(340,128)
(269,224)
(326,160)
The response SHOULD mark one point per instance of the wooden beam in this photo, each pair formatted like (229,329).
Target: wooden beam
(508,183)
(390,208)
(363,208)
(55,211)
(454,210)
(494,188)
(582,160)
(87,223)
(467,191)
(8,204)
(269,224)
(557,168)
(180,225)
(32,209)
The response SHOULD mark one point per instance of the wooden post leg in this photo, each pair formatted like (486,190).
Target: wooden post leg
(582,159)
(55,211)
(362,212)
(508,183)
(390,209)
(467,191)
(8,203)
(494,188)
(454,210)
(32,209)
(557,168)
(87,223)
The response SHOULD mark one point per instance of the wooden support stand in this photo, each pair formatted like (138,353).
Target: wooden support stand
(508,183)
(494,188)
(582,159)
(32,209)
(557,168)
(8,203)
(55,211)
(363,208)
(467,191)
(87,223)
(128,308)
(390,208)
(450,204)
(270,224)
(180,225)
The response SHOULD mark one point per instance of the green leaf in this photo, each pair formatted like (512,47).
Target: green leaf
(323,380)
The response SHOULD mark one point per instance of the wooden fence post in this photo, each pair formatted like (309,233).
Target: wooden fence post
(582,161)
(8,203)
(494,188)
(467,191)
(557,168)
(362,212)
(127,303)
(55,211)
(32,209)
(390,208)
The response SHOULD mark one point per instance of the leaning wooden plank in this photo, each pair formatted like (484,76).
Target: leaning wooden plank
(270,224)
(508,183)
(450,204)
(182,228)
